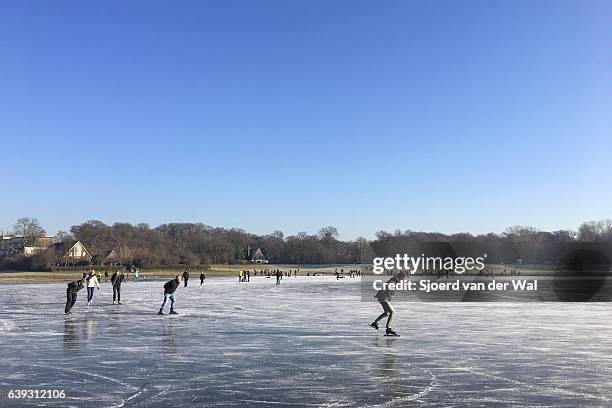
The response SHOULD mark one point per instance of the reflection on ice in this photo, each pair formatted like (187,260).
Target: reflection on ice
(304,343)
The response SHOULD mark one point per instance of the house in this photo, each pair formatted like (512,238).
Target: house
(12,245)
(77,252)
(107,258)
(258,257)
(40,244)
(72,252)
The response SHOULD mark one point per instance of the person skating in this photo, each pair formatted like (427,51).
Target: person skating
(71,294)
(116,280)
(185,277)
(169,289)
(279,276)
(92,283)
(202,277)
(384,297)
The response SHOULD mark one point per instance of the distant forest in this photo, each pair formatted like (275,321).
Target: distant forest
(171,245)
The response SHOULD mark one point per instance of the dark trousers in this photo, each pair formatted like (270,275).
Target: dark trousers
(90,293)
(71,298)
(117,293)
(388,312)
(166,297)
(186,279)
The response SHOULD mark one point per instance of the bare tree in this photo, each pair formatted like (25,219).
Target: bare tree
(278,234)
(595,230)
(30,229)
(328,233)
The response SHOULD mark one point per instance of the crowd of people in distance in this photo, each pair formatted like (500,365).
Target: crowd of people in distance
(244,275)
(353,273)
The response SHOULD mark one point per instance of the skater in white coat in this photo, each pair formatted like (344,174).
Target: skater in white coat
(92,283)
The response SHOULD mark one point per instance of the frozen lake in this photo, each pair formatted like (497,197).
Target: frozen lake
(303,343)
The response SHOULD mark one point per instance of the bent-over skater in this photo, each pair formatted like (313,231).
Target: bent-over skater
(71,294)
(169,289)
(384,297)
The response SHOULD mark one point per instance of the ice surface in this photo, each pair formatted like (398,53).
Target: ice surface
(303,343)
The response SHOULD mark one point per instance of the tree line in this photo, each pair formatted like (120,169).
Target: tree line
(175,244)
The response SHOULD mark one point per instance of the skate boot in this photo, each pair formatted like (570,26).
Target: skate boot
(113,302)
(160,313)
(173,312)
(390,332)
(119,303)
(374,325)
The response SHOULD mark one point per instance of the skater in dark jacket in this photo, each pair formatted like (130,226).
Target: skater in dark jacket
(185,276)
(384,297)
(116,280)
(169,289)
(202,277)
(279,276)
(71,294)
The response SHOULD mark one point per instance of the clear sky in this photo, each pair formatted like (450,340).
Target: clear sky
(426,115)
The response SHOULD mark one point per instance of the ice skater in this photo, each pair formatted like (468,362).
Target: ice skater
(71,294)
(202,277)
(279,276)
(185,277)
(169,289)
(116,280)
(92,283)
(384,297)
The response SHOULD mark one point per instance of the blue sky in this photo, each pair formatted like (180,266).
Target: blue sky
(440,116)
